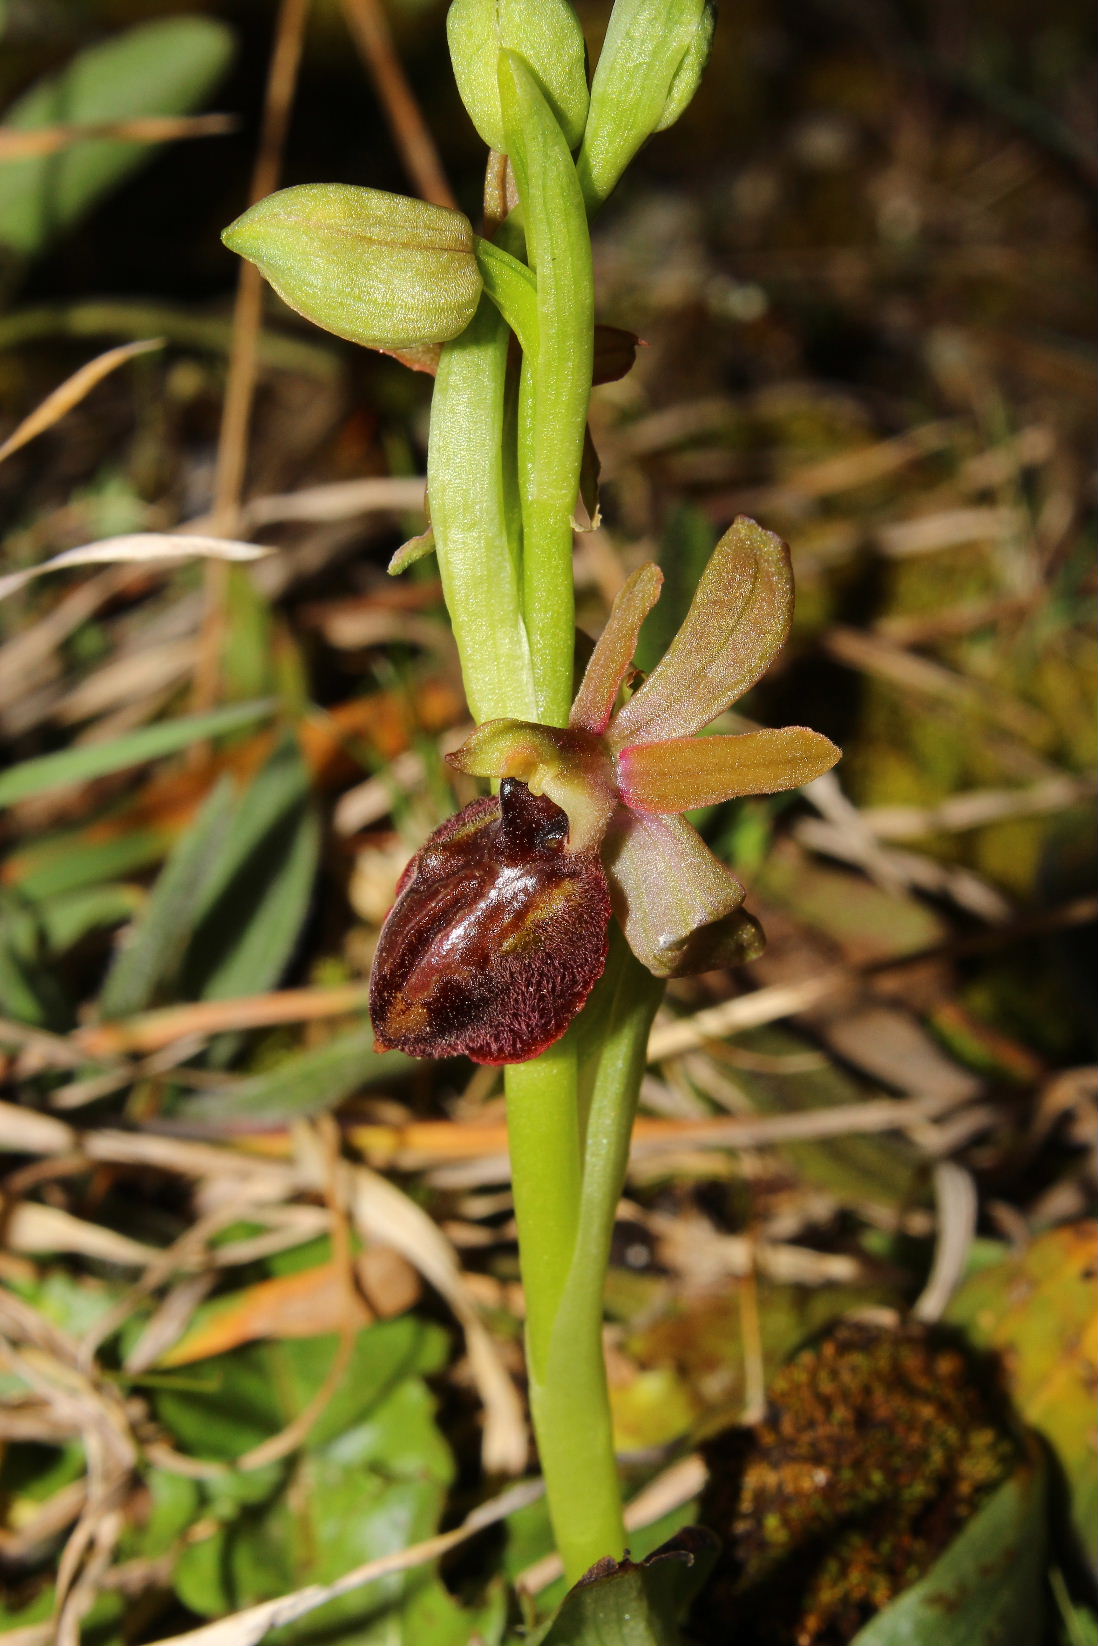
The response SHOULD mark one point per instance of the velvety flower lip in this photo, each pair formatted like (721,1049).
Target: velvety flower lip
(496,938)
(624,775)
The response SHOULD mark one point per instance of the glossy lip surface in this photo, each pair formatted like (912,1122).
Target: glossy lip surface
(497,936)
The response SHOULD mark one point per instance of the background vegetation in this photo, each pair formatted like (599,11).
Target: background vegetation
(862,270)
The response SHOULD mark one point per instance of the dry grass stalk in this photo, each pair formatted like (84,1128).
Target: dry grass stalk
(232,445)
(369,26)
(147,128)
(74,389)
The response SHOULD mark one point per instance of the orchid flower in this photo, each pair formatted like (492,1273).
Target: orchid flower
(499,930)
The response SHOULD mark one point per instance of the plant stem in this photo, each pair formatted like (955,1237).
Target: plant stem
(543,1135)
(565,1232)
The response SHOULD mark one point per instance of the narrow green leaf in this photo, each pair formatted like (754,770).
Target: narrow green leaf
(253,904)
(304,1083)
(166,67)
(556,380)
(465,485)
(78,765)
(64,920)
(69,864)
(24,988)
(159,936)
(513,290)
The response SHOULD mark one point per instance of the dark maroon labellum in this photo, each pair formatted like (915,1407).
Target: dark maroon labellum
(497,936)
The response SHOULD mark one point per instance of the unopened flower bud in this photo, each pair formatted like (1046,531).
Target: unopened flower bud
(546,33)
(379,269)
(649,69)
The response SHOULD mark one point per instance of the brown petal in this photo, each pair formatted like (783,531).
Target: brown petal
(613,653)
(738,620)
(700,771)
(497,936)
(678,905)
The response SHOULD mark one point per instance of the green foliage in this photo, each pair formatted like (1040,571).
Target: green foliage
(166,67)
(556,380)
(227,908)
(304,1083)
(88,760)
(249,914)
(372,1479)
(28,992)
(1035,1307)
(158,938)
(513,289)
(633,1605)
(70,864)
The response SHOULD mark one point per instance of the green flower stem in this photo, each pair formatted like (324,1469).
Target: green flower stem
(543,1133)
(556,377)
(465,488)
(568,1389)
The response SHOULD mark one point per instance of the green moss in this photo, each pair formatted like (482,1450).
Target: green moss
(876,1448)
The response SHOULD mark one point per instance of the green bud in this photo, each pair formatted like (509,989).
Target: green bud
(379,269)
(649,69)
(544,32)
(688,75)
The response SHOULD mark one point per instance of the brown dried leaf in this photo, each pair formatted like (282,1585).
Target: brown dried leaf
(306,1304)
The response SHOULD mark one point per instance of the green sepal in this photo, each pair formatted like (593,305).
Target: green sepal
(548,35)
(380,269)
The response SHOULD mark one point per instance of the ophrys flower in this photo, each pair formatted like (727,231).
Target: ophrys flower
(621,778)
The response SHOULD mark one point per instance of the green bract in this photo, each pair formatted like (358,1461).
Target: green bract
(379,269)
(546,33)
(649,68)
